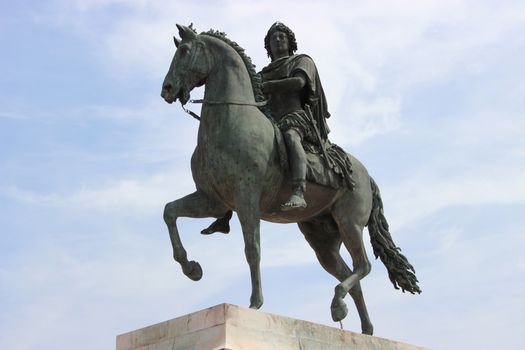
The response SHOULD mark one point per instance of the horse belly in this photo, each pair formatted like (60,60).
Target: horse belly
(319,200)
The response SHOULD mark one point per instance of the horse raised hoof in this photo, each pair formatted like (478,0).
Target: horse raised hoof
(339,309)
(194,271)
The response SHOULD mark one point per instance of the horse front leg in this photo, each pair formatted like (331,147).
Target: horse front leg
(247,205)
(195,205)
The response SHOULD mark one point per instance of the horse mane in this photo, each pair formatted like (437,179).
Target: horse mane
(255,78)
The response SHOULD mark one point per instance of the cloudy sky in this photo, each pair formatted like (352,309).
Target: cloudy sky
(429,95)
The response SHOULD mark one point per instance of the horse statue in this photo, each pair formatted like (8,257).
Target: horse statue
(237,166)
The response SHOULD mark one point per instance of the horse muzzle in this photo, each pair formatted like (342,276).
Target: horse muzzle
(170,94)
(167,93)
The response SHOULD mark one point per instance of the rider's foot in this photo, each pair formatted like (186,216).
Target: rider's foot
(296,201)
(220,225)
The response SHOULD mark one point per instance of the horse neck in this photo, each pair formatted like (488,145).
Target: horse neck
(228,80)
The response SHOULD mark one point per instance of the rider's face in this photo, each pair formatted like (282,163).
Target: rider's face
(279,45)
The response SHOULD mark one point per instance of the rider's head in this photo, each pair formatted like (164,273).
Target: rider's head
(281,27)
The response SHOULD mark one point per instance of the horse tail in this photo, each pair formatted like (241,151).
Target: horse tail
(400,271)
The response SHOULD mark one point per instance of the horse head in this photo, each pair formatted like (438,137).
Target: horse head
(189,66)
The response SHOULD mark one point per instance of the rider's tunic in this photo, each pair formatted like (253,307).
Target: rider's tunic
(312,96)
(314,112)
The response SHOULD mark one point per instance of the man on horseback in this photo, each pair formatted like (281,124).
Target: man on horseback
(297,104)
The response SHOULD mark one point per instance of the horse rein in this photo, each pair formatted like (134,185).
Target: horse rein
(236,103)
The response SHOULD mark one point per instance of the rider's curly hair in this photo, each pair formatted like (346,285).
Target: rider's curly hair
(278,26)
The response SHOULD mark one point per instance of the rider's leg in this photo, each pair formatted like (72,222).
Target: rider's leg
(297,157)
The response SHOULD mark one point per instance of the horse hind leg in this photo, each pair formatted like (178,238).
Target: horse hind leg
(351,224)
(324,238)
(195,205)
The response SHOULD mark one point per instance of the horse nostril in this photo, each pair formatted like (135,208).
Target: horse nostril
(166,87)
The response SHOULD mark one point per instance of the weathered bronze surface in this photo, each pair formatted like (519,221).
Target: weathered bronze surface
(241,163)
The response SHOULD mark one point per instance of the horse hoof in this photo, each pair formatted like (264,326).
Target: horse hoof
(195,271)
(339,310)
(256,304)
(369,329)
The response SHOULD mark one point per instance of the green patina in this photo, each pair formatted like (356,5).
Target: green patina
(236,167)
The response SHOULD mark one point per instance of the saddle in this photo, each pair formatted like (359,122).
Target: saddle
(334,172)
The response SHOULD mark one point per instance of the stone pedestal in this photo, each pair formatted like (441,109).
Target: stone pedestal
(230,327)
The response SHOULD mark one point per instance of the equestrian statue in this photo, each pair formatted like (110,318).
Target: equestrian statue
(263,152)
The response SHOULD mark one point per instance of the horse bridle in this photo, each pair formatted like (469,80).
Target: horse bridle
(201,45)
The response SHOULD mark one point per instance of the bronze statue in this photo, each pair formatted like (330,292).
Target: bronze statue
(240,164)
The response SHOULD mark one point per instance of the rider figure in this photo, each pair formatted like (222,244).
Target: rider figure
(297,104)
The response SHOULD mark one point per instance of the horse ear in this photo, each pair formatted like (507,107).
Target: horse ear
(186,33)
(177,42)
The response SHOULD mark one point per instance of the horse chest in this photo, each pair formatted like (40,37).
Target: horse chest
(233,152)
(216,167)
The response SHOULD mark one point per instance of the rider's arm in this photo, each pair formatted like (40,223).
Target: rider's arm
(295,83)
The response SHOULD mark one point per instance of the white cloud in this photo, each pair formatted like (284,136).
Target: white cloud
(364,119)
(111,291)
(85,6)
(429,190)
(10,115)
(124,196)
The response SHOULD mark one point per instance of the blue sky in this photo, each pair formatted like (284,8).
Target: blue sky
(429,95)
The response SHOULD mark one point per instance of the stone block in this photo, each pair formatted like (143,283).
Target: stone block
(230,327)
